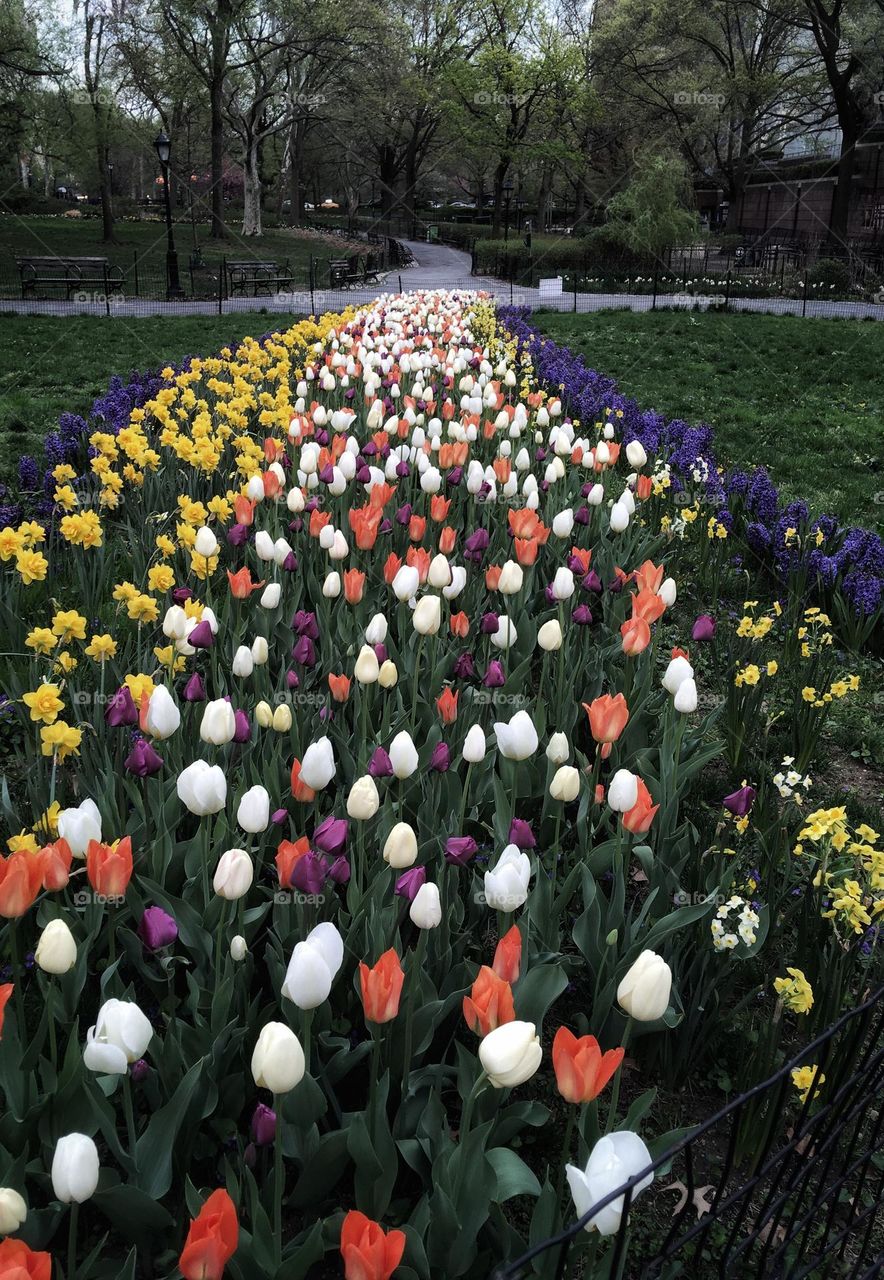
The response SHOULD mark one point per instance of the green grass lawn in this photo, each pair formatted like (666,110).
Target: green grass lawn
(46,236)
(50,365)
(805,398)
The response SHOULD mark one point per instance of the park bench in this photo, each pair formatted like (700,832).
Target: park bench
(354,272)
(71,274)
(254,277)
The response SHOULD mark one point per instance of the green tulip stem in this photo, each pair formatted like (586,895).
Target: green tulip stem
(278,1180)
(463,799)
(306,1032)
(413,988)
(130,1117)
(219,944)
(72,1240)
(50,1018)
(465,1123)
(417,672)
(615,1090)
(566,1151)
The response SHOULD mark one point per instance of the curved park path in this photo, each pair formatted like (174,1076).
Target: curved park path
(436,266)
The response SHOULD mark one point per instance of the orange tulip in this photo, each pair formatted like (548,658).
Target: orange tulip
(680,653)
(6,990)
(109,867)
(369,1252)
(508,955)
(489,1004)
(648,605)
(211,1239)
(492,576)
(392,565)
(650,576)
(381,987)
(417,527)
(287,855)
(340,687)
(584,556)
(607,717)
(365,522)
(21,878)
(419,558)
(241,585)
(244,509)
(459,624)
(354,585)
(644,486)
(272,484)
(636,636)
(447,539)
(526,550)
(381,494)
(446,705)
(502,469)
(638,819)
(318,520)
(300,790)
(439,508)
(56,864)
(582,1070)
(273,449)
(18,1262)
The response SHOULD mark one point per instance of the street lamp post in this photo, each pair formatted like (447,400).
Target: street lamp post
(173,290)
(507,192)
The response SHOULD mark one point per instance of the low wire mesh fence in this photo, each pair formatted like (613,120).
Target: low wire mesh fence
(766,1188)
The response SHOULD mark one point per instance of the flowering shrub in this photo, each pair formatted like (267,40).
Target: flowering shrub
(358,817)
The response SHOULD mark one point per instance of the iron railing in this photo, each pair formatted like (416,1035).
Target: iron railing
(769,1188)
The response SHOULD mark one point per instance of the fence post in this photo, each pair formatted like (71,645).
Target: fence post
(135,269)
(221,275)
(804,299)
(574,278)
(654,294)
(727,290)
(312,278)
(511,291)
(399,278)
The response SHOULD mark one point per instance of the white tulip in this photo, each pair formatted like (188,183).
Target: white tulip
(74,1170)
(13,1211)
(644,991)
(79,826)
(253,813)
(506,885)
(388,675)
(218,724)
(278,1060)
(363,800)
(635,454)
(243,662)
(263,545)
(557,750)
(202,788)
(685,700)
(403,755)
(549,637)
(426,909)
(271,595)
(511,1054)
(668,592)
(205,543)
(518,739)
(238,948)
(260,651)
(406,582)
(474,745)
(506,635)
(427,616)
(565,785)
(56,948)
(376,631)
(619,517)
(120,1037)
(400,847)
(623,791)
(318,765)
(331,587)
(614,1159)
(512,576)
(676,673)
(313,966)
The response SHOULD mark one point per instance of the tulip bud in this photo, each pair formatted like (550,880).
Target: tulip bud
(238,948)
(668,592)
(557,750)
(367,669)
(511,579)
(676,673)
(406,582)
(270,597)
(510,1054)
(278,1060)
(13,1211)
(318,765)
(74,1169)
(263,715)
(400,847)
(622,791)
(233,875)
(644,991)
(388,675)
(205,543)
(635,454)
(376,631)
(474,745)
(331,587)
(120,1037)
(363,800)
(403,755)
(427,616)
(619,517)
(685,700)
(253,814)
(260,651)
(243,663)
(426,908)
(565,785)
(282,718)
(313,967)
(549,637)
(56,949)
(217,725)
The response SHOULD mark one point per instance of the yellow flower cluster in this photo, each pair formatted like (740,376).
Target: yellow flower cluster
(837,689)
(795,991)
(805,1078)
(21,545)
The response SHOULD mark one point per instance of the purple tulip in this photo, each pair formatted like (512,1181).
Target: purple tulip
(581,515)
(195,689)
(591,581)
(521,834)
(494,677)
(290,563)
(304,652)
(363,474)
(139,1070)
(157,929)
(292,679)
(380,765)
(402,470)
(238,535)
(489,624)
(331,835)
(581,615)
(454,477)
(326,474)
(304,622)
(441,758)
(476,545)
(459,850)
(242,730)
(380,652)
(739,802)
(263,1126)
(202,636)
(704,628)
(339,871)
(615,586)
(409,883)
(309,873)
(121,709)
(181,595)
(143,761)
(279,816)
(403,515)
(464,667)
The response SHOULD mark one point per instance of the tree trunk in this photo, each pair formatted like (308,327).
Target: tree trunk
(500,173)
(251,218)
(216,101)
(840,221)
(107,212)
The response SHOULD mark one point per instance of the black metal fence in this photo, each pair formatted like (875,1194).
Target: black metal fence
(771,1187)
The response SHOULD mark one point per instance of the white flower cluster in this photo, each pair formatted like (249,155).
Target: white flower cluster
(787,782)
(734,922)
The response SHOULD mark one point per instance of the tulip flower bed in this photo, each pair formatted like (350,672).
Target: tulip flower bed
(370,796)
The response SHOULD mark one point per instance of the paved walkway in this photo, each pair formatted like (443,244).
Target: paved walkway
(438,266)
